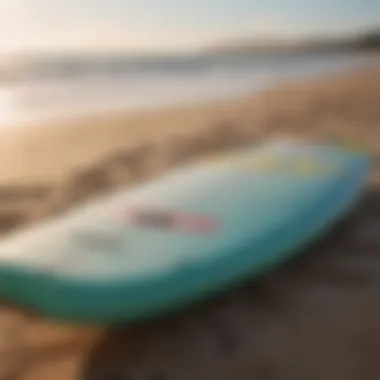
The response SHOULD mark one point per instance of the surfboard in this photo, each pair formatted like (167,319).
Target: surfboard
(184,236)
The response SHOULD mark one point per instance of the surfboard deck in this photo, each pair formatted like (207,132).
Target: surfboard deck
(184,236)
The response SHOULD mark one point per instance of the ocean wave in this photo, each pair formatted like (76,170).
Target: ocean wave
(67,87)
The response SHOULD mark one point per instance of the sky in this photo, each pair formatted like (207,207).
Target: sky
(181,25)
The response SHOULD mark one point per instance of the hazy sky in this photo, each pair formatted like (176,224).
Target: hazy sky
(171,24)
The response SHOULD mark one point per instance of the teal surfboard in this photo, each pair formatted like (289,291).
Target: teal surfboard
(184,236)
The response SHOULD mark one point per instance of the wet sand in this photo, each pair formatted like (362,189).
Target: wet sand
(315,318)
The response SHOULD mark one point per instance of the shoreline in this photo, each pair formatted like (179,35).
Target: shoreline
(353,62)
(27,143)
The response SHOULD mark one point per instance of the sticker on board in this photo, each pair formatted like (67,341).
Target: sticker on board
(169,220)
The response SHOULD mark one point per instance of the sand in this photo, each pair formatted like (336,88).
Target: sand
(316,318)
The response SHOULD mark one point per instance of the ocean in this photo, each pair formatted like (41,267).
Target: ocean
(54,89)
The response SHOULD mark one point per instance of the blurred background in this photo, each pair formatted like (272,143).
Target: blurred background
(101,94)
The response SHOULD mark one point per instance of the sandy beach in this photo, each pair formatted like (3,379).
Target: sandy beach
(317,318)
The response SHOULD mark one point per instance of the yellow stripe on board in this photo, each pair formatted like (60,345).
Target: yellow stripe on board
(272,164)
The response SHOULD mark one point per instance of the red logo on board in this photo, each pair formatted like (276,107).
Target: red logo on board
(170,220)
